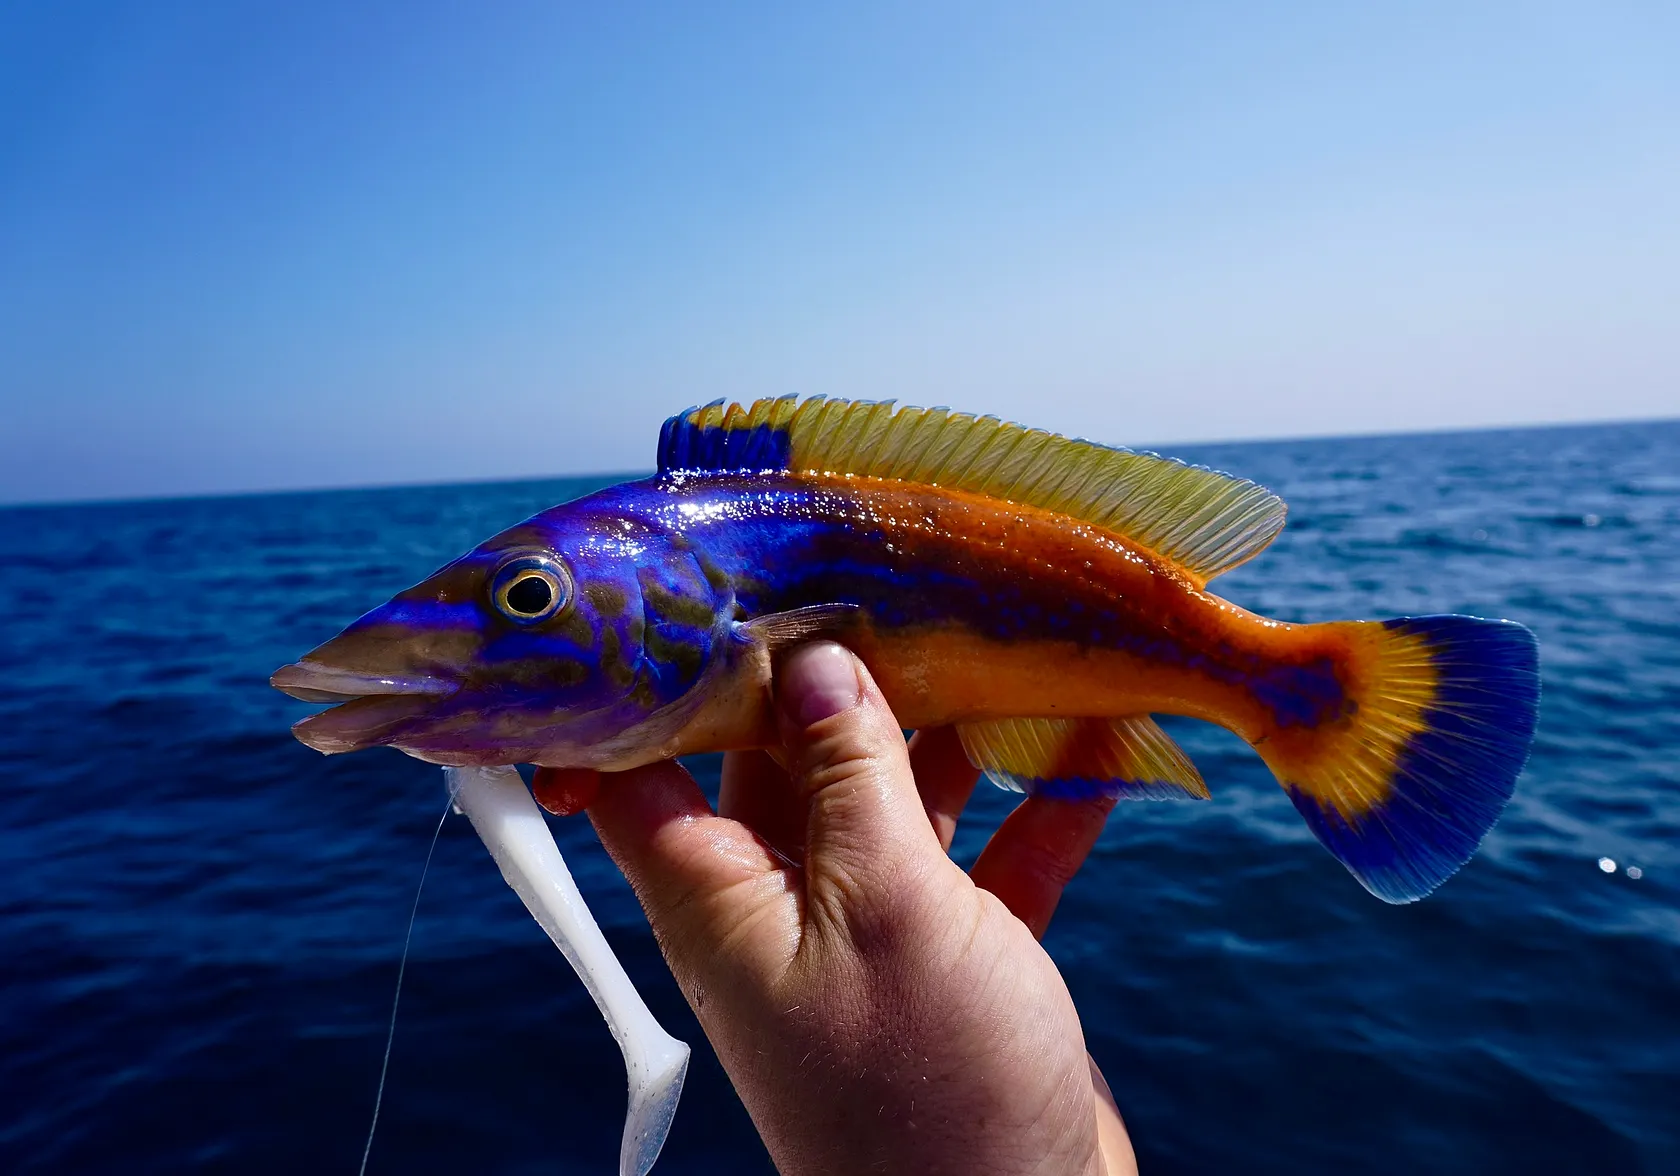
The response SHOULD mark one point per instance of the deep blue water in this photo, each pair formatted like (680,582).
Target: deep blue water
(201,919)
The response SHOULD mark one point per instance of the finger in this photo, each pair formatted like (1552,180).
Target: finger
(847,757)
(756,791)
(1036,852)
(565,791)
(697,875)
(944,777)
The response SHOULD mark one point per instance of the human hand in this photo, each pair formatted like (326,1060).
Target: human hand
(876,1008)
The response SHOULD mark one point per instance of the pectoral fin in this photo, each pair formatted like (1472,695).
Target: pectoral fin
(814,622)
(1128,757)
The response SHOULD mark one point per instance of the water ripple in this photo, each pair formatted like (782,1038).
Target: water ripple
(202,918)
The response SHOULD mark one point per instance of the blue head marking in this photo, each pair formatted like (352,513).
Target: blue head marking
(544,644)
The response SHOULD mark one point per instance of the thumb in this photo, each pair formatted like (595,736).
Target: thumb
(847,756)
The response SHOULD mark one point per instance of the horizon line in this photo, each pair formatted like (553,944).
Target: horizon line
(612,476)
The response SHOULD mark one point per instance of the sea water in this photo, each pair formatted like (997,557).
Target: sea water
(200,918)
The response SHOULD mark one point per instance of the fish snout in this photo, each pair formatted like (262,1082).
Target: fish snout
(379,686)
(311,681)
(384,653)
(370,708)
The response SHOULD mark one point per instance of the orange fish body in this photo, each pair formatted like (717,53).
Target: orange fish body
(1044,596)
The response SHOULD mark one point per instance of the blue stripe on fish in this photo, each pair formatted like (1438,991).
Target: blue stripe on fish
(1086,788)
(430,614)
(1300,695)
(805,553)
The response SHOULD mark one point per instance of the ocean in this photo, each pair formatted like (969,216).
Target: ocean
(201,919)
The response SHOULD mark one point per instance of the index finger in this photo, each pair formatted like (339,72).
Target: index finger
(944,777)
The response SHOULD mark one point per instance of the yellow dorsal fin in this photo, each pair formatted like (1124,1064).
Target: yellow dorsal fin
(1129,757)
(1202,520)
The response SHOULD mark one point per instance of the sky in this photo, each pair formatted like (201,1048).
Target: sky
(251,246)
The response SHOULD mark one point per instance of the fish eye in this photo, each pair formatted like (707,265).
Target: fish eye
(531,588)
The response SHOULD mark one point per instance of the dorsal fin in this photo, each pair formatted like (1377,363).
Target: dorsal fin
(1205,521)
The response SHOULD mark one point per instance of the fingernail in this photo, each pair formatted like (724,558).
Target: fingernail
(816,681)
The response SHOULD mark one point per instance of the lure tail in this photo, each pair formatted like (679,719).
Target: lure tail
(1406,781)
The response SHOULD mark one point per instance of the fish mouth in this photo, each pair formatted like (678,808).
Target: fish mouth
(370,708)
(309,681)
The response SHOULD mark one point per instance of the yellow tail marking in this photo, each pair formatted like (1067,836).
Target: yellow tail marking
(1392,679)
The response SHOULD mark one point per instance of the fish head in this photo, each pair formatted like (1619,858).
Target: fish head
(551,643)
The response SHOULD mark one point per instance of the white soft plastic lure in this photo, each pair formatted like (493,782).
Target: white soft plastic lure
(500,808)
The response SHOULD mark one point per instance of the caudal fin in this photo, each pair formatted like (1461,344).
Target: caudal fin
(1405,783)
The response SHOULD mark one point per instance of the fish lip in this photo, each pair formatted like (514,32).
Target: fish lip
(314,682)
(362,722)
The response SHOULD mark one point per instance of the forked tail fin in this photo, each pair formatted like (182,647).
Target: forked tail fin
(1405,783)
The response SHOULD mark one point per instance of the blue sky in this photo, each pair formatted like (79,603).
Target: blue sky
(249,246)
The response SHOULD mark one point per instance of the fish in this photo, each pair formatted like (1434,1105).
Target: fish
(1045,596)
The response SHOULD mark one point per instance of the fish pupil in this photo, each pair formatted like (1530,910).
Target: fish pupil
(530,595)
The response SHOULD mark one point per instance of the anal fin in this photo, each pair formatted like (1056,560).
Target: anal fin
(1128,757)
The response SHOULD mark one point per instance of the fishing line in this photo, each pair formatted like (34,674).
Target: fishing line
(396,997)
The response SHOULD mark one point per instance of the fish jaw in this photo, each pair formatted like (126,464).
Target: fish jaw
(396,665)
(361,722)
(371,707)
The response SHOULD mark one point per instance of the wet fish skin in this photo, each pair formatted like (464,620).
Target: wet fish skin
(1046,596)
